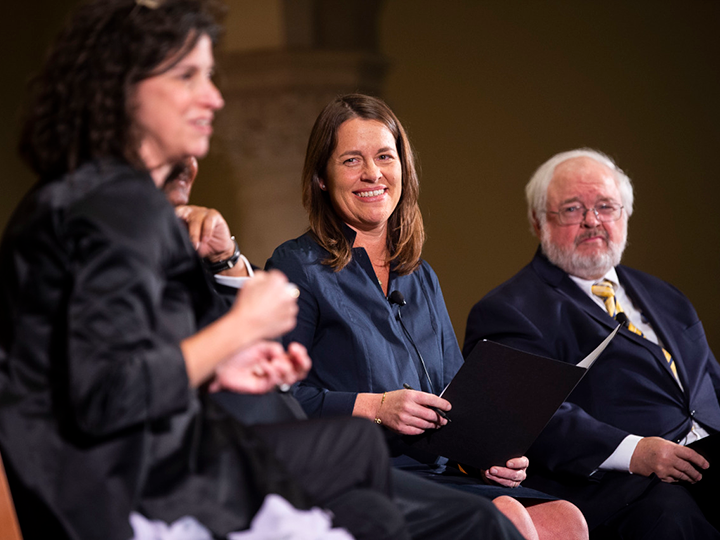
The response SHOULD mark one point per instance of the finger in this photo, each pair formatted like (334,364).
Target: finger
(426,417)
(206,227)
(512,475)
(426,411)
(418,423)
(409,414)
(498,479)
(503,482)
(271,349)
(212,221)
(298,354)
(685,472)
(183,211)
(194,224)
(690,455)
(518,463)
(284,372)
(426,399)
(272,373)
(284,367)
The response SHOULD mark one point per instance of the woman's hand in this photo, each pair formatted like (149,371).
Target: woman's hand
(266,306)
(404,411)
(260,368)
(514,472)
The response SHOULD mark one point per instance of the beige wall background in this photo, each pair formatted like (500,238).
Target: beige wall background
(487,90)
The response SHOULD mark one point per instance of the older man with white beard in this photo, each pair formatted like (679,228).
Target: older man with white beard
(618,447)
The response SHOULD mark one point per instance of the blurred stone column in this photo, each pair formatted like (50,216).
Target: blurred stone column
(272,99)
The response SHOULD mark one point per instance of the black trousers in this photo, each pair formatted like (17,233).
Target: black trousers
(663,512)
(679,511)
(343,464)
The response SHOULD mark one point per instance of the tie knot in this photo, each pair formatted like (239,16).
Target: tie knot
(604,289)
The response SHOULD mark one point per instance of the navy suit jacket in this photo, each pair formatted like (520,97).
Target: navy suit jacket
(629,390)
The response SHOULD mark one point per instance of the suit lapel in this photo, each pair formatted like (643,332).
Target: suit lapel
(561,282)
(656,315)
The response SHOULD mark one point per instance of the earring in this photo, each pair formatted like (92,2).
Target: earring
(322,186)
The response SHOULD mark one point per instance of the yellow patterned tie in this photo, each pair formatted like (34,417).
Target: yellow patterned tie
(606,290)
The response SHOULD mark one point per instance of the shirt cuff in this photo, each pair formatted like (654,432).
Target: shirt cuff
(619,460)
(234,281)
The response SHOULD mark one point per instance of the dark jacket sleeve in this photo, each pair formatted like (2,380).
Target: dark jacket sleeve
(125,366)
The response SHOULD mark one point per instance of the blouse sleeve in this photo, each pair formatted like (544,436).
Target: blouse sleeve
(452,357)
(124,320)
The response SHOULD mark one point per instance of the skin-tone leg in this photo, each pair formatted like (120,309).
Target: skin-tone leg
(559,520)
(518,515)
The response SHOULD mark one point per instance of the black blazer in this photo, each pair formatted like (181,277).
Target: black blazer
(629,389)
(100,283)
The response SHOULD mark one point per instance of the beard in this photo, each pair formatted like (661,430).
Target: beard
(590,266)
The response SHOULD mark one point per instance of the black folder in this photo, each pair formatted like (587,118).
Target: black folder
(501,400)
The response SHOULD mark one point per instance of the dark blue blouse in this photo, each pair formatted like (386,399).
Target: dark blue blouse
(357,343)
(352,332)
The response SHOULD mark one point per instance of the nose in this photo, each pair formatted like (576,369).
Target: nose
(590,219)
(371,172)
(212,96)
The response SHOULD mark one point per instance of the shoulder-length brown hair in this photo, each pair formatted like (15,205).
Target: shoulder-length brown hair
(406,233)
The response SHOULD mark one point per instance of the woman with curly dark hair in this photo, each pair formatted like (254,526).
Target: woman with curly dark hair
(110,329)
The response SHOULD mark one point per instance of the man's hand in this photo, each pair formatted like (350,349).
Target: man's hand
(514,472)
(260,368)
(671,462)
(208,231)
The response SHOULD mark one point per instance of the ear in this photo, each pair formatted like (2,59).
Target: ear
(536,225)
(322,185)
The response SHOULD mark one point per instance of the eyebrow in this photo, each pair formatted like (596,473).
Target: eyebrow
(359,153)
(577,199)
(185,64)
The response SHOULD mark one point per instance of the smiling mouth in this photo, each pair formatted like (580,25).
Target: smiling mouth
(203,124)
(368,194)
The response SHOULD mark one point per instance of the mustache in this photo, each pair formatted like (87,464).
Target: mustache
(597,231)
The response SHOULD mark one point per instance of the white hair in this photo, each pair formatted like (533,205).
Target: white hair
(536,189)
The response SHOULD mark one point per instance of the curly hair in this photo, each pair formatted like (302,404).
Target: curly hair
(406,233)
(79,109)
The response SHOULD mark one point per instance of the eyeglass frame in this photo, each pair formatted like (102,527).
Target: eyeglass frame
(584,215)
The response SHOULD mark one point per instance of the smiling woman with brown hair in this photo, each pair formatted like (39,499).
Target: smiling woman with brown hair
(372,314)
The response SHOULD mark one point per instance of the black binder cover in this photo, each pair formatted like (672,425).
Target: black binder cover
(501,400)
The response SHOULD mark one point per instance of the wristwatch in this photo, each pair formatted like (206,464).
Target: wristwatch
(224,264)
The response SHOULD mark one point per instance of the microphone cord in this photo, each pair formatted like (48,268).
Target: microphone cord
(400,304)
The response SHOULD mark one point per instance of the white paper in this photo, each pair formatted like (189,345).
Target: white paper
(590,358)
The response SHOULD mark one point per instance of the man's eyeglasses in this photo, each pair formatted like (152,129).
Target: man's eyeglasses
(572,214)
